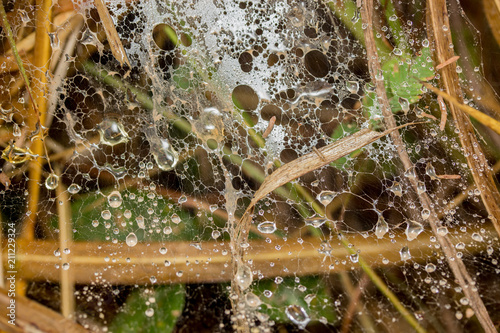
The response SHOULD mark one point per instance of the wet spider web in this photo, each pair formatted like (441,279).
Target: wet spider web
(147,170)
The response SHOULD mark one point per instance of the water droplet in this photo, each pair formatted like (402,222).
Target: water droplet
(405,105)
(460,246)
(352,86)
(131,239)
(354,257)
(430,171)
(244,277)
(393,17)
(397,51)
(51,181)
(150,312)
(140,222)
(308,298)
(477,237)
(252,300)
(464,301)
(429,268)
(297,315)
(153,279)
(410,173)
(54,41)
(213,208)
(65,266)
(74,188)
(325,197)
(115,199)
(57,253)
(421,187)
(176,219)
(425,213)
(215,234)
(442,231)
(425,43)
(413,229)
(381,228)
(179,273)
(163,250)
(315,221)
(405,253)
(267,227)
(16,131)
(396,189)
(112,132)
(106,214)
(164,154)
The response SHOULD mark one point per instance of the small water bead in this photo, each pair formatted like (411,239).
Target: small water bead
(477,237)
(244,277)
(182,199)
(405,253)
(352,86)
(213,208)
(393,18)
(51,182)
(315,221)
(460,246)
(325,197)
(397,51)
(267,227)
(140,222)
(115,199)
(442,231)
(106,214)
(309,298)
(421,187)
(382,227)
(95,223)
(74,188)
(65,266)
(413,229)
(215,234)
(131,239)
(176,219)
(425,43)
(150,312)
(127,214)
(430,171)
(297,315)
(278,280)
(112,132)
(425,214)
(167,230)
(57,253)
(354,257)
(396,189)
(163,250)
(268,293)
(429,268)
(405,104)
(252,300)
(164,154)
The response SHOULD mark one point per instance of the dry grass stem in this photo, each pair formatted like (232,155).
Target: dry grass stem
(447,62)
(269,127)
(113,39)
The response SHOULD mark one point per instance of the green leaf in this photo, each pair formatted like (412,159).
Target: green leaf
(90,224)
(287,293)
(403,80)
(136,313)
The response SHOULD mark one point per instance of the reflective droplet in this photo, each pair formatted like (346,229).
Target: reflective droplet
(413,229)
(315,221)
(244,277)
(252,300)
(297,315)
(430,171)
(267,227)
(215,234)
(74,188)
(65,266)
(325,197)
(421,187)
(131,239)
(460,246)
(425,214)
(354,257)
(405,105)
(405,253)
(397,51)
(396,189)
(381,228)
(106,214)
(150,312)
(165,155)
(213,208)
(57,253)
(393,18)
(477,237)
(425,43)
(16,131)
(52,181)
(442,231)
(115,199)
(176,219)
(140,222)
(112,132)
(163,250)
(429,268)
(410,173)
(352,86)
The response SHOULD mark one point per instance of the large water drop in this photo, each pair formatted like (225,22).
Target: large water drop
(131,239)
(51,181)
(267,227)
(244,277)
(382,227)
(297,315)
(112,132)
(115,199)
(325,197)
(413,229)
